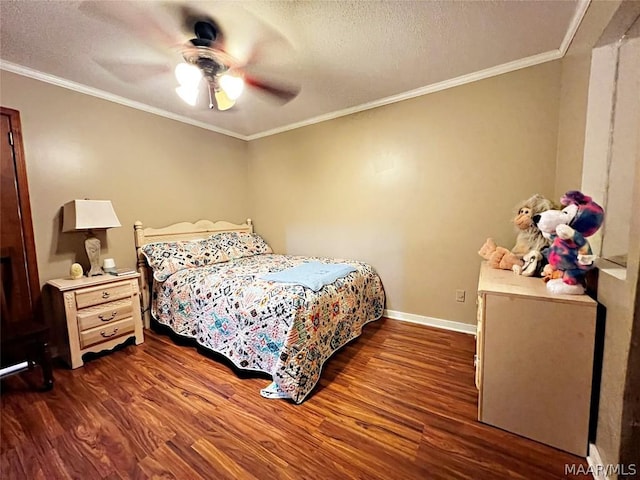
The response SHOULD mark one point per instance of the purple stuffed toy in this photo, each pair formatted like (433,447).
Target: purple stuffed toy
(568,230)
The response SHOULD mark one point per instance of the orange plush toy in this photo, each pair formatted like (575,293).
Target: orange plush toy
(529,236)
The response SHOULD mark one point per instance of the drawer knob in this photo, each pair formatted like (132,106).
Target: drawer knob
(113,315)
(105,294)
(107,335)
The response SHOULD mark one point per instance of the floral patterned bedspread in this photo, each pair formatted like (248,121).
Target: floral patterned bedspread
(282,329)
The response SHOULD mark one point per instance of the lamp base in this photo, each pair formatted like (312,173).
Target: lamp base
(92,244)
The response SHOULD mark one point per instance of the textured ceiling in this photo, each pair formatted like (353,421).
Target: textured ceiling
(346,56)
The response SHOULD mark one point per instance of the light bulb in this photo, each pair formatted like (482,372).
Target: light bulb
(222,100)
(232,86)
(188,75)
(188,94)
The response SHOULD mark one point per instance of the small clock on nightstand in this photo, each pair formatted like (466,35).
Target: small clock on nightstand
(100,313)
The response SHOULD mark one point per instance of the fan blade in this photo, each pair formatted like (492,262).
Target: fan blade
(138,18)
(133,72)
(270,50)
(283,93)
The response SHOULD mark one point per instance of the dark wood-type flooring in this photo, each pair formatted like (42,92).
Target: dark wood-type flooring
(397,403)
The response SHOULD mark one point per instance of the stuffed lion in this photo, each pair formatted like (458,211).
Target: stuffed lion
(529,237)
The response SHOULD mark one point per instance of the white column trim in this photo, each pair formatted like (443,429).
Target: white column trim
(597,468)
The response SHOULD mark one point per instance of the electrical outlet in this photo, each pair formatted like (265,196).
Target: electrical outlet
(460,295)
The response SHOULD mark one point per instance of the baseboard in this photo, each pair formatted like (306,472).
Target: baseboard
(431,322)
(596,466)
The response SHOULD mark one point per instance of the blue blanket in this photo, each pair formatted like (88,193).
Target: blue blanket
(313,275)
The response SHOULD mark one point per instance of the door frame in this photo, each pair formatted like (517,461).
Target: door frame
(25,211)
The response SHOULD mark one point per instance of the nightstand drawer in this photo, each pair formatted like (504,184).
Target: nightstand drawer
(101,315)
(106,332)
(94,296)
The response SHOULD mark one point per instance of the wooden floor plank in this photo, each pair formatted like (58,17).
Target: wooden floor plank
(224,466)
(145,436)
(10,465)
(398,402)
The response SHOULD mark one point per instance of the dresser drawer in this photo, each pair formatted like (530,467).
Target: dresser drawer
(88,297)
(104,314)
(106,332)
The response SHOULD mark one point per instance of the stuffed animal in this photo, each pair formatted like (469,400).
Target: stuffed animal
(529,238)
(532,264)
(570,253)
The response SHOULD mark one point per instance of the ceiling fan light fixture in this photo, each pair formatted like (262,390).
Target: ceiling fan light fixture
(188,93)
(223,101)
(231,85)
(188,75)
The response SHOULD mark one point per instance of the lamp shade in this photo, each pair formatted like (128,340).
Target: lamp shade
(88,214)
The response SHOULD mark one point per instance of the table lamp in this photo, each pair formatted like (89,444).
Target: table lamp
(86,216)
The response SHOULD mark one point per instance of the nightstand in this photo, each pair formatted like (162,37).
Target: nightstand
(98,313)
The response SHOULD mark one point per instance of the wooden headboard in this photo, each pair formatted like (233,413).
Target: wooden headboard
(173,233)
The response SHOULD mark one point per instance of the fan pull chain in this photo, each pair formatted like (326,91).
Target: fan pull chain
(211,104)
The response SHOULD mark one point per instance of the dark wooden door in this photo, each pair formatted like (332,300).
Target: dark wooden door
(20,287)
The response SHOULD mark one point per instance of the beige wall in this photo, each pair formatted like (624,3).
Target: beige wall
(413,188)
(151,168)
(571,126)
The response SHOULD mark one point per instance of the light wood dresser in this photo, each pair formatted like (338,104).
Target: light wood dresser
(98,313)
(534,359)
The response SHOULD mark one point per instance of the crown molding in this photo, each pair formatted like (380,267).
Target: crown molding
(551,55)
(578,15)
(94,92)
(418,92)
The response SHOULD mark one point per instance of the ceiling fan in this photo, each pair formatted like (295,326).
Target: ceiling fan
(206,60)
(203,61)
(206,57)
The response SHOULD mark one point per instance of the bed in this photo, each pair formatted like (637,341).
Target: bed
(214,283)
